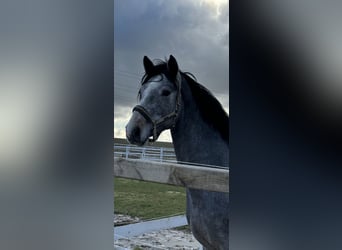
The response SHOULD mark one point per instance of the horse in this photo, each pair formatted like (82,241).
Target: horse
(171,99)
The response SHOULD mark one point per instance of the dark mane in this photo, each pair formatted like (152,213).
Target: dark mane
(210,108)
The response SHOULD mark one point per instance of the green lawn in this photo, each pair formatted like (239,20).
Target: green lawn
(147,200)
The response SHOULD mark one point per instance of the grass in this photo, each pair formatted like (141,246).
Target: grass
(147,200)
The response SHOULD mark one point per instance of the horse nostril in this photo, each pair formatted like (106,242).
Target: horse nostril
(136,134)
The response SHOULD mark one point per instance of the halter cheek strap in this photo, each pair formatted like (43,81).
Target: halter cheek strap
(168,120)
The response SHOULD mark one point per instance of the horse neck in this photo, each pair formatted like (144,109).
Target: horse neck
(194,140)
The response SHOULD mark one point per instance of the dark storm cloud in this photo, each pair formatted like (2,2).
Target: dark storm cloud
(195,32)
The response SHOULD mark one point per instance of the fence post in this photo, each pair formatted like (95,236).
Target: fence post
(161,154)
(127,151)
(143,153)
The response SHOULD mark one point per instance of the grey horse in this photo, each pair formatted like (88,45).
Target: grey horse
(172,99)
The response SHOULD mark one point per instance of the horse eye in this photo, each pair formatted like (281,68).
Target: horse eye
(165,92)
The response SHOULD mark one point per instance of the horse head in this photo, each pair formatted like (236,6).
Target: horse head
(159,102)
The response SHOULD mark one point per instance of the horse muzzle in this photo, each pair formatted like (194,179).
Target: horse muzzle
(138,129)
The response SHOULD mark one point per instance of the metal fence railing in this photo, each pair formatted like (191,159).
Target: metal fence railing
(159,154)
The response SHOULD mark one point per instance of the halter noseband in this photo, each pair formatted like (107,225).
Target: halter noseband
(168,120)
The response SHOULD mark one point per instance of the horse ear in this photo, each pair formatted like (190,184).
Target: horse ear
(172,66)
(148,65)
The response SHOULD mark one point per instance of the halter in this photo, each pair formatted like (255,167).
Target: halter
(168,120)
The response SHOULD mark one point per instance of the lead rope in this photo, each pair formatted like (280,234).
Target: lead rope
(154,138)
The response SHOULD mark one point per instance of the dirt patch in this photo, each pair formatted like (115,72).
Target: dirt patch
(169,239)
(121,219)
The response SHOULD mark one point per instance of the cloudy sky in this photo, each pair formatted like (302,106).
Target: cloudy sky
(194,31)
